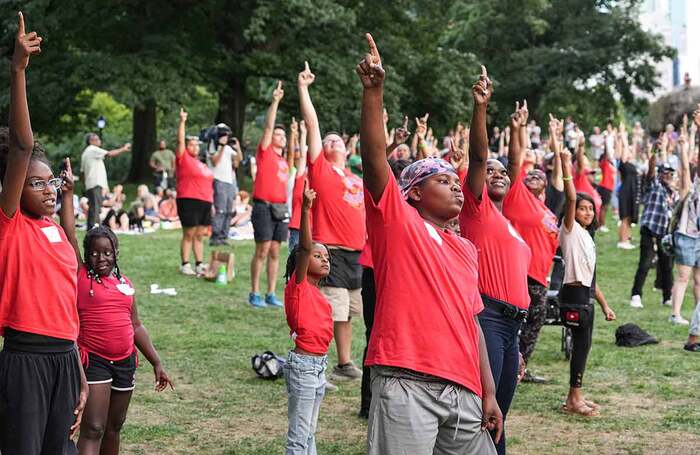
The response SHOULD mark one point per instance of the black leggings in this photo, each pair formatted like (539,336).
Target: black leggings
(581,336)
(369,298)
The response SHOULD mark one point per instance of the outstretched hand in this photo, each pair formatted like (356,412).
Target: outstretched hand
(67,176)
(565,157)
(183,115)
(370,68)
(309,196)
(294,126)
(26,44)
(306,77)
(482,89)
(401,134)
(515,117)
(278,93)
(422,126)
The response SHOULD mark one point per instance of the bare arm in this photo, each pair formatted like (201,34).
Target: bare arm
(143,342)
(492,418)
(478,138)
(271,116)
(515,147)
(556,178)
(293,143)
(375,169)
(308,112)
(600,298)
(218,155)
(569,190)
(305,243)
(116,152)
(21,140)
(181,144)
(67,213)
(686,179)
(303,149)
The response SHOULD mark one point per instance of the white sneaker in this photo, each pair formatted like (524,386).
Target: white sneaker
(604,229)
(186,269)
(636,302)
(625,246)
(666,303)
(201,269)
(673,319)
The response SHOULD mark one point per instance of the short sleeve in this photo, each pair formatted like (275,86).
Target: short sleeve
(391,206)
(318,168)
(98,153)
(473,207)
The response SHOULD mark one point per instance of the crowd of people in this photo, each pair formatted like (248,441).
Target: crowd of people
(445,249)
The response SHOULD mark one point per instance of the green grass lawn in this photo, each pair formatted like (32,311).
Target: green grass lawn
(207,334)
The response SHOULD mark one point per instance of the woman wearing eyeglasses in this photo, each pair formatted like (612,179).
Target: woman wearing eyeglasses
(42,385)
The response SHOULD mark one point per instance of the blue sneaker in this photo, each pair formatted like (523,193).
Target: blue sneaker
(271,300)
(255,300)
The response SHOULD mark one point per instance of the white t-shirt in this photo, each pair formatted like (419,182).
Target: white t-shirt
(578,250)
(92,165)
(223,171)
(597,144)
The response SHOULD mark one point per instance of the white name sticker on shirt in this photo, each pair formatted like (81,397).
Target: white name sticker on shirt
(433,233)
(51,233)
(126,289)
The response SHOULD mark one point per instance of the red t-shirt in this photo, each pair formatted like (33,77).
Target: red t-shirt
(584,185)
(504,257)
(37,277)
(339,209)
(297,199)
(272,176)
(608,175)
(194,178)
(536,224)
(309,316)
(427,294)
(106,328)
(462,174)
(365,259)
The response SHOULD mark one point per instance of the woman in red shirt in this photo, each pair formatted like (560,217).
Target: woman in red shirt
(504,257)
(427,351)
(311,327)
(110,332)
(42,385)
(195,195)
(605,188)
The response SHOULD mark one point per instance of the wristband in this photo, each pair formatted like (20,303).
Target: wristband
(566,179)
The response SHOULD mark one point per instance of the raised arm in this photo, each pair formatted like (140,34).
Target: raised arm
(181,143)
(569,190)
(293,142)
(21,140)
(271,116)
(686,179)
(580,154)
(400,136)
(221,146)
(67,212)
(556,178)
(305,243)
(516,146)
(419,147)
(123,149)
(303,149)
(238,156)
(478,138)
(375,169)
(308,112)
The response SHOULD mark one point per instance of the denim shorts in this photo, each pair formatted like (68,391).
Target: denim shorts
(686,250)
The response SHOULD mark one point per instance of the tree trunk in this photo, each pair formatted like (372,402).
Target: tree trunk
(232,104)
(144,140)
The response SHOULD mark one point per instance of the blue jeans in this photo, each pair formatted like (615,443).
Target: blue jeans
(224,197)
(501,337)
(293,239)
(306,385)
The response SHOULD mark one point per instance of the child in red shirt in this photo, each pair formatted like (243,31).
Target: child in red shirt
(311,327)
(110,332)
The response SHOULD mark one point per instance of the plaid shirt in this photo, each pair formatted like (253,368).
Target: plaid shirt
(658,203)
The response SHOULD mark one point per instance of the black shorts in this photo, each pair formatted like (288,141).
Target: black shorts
(121,373)
(345,272)
(265,226)
(605,194)
(193,212)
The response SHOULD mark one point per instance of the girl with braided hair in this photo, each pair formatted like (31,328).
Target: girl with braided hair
(110,333)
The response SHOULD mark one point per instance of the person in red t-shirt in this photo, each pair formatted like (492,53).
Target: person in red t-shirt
(339,222)
(311,327)
(270,214)
(504,257)
(426,343)
(42,387)
(110,332)
(195,195)
(605,188)
(538,226)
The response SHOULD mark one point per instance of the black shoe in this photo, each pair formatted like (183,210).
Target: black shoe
(692,347)
(531,378)
(363,414)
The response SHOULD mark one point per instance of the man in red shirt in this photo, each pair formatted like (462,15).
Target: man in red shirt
(270,215)
(339,223)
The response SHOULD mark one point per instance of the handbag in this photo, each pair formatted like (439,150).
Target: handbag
(574,315)
(279,212)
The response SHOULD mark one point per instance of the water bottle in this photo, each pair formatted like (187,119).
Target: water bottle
(221,276)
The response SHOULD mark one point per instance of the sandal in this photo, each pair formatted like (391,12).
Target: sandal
(592,404)
(581,409)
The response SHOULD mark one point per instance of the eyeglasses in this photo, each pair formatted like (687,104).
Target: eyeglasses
(40,185)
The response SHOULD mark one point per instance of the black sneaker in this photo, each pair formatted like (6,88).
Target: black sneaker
(363,414)
(692,347)
(531,378)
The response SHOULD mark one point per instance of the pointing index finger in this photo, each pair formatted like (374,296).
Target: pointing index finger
(20,27)
(372,46)
(484,74)
(405,122)
(306,67)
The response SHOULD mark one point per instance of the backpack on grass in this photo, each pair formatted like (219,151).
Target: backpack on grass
(268,365)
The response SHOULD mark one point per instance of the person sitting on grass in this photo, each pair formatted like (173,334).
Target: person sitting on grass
(110,332)
(311,327)
(432,389)
(579,284)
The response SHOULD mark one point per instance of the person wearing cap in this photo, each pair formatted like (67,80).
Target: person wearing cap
(432,390)
(504,257)
(659,199)
(223,163)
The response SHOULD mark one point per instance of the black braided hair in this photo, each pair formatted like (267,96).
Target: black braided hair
(594,224)
(95,233)
(38,151)
(292,262)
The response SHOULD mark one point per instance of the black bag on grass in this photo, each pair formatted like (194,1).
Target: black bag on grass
(268,365)
(631,335)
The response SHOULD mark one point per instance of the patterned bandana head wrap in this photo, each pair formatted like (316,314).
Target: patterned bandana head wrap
(421,170)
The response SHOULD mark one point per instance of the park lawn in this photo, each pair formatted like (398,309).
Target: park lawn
(207,334)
